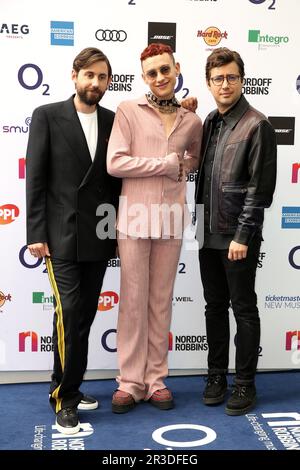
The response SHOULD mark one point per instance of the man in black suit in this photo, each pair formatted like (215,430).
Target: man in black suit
(66,182)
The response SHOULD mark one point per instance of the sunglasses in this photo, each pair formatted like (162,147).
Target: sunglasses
(164,70)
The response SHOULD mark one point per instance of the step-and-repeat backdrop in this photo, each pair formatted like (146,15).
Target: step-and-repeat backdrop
(38,44)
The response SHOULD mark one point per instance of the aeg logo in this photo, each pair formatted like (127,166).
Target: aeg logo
(108,300)
(8,213)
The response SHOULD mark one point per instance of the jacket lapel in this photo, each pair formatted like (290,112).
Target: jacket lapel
(99,164)
(71,128)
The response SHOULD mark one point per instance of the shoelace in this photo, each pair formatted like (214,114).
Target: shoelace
(240,390)
(213,379)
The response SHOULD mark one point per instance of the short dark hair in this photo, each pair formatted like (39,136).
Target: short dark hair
(156,49)
(89,56)
(223,56)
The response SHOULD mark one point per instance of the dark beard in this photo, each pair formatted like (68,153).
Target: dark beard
(92,100)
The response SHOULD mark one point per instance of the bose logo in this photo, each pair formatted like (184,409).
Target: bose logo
(111,35)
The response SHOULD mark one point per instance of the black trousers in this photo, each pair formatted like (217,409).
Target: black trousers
(232,283)
(76,287)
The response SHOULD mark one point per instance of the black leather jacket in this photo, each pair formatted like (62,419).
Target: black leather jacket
(243,174)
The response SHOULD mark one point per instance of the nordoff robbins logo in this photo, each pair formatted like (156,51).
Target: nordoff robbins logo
(111,35)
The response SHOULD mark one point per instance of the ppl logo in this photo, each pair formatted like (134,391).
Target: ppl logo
(296,173)
(108,300)
(32,339)
(8,214)
(292,340)
(4,298)
(22,168)
(212,35)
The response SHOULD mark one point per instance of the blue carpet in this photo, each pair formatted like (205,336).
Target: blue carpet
(27,421)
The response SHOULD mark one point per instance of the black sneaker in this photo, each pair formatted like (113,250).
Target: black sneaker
(242,400)
(67,421)
(88,403)
(215,389)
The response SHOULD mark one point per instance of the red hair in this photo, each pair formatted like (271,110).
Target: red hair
(156,49)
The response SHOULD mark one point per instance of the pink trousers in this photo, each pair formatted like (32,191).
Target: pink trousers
(148,271)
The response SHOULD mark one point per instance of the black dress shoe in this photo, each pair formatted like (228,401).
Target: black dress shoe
(88,403)
(67,421)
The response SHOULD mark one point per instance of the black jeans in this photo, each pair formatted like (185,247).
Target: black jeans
(231,282)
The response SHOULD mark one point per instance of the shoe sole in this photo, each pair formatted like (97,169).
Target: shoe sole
(214,401)
(232,412)
(88,406)
(122,408)
(68,431)
(162,405)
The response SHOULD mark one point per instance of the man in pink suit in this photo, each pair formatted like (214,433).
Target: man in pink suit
(154,142)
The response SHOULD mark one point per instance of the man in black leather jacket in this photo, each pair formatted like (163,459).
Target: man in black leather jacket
(236,181)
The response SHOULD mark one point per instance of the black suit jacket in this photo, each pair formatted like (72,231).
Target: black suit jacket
(64,187)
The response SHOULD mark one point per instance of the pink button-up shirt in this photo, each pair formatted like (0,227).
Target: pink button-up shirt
(140,152)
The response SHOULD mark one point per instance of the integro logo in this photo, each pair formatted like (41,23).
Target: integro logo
(40,298)
(292,340)
(212,36)
(8,214)
(295,173)
(266,40)
(4,298)
(108,300)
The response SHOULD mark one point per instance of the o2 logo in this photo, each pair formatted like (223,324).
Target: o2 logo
(179,86)
(30,262)
(36,78)
(292,257)
(258,2)
(104,340)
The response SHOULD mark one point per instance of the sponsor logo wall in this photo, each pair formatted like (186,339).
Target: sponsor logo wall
(39,50)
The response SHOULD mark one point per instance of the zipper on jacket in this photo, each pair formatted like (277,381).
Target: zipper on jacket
(212,173)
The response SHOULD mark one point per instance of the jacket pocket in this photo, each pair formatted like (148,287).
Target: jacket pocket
(233,197)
